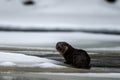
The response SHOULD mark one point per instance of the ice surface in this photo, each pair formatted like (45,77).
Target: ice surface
(49,65)
(21,60)
(7,64)
(101,75)
(47,39)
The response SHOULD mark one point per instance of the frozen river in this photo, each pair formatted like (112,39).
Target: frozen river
(43,44)
(49,39)
(60,76)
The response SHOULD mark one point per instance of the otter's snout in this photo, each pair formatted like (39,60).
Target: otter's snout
(62,47)
(59,46)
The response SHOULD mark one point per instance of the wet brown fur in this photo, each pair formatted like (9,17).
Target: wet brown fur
(76,57)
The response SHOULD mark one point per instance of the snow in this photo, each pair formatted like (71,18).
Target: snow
(48,65)
(7,64)
(21,60)
(52,14)
(50,39)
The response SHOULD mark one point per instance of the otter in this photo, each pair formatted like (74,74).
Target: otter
(78,58)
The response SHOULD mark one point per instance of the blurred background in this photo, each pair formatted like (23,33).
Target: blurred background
(91,24)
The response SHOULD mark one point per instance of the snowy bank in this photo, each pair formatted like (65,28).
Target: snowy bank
(21,60)
(65,14)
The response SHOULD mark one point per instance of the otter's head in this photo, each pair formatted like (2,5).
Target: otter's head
(62,47)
